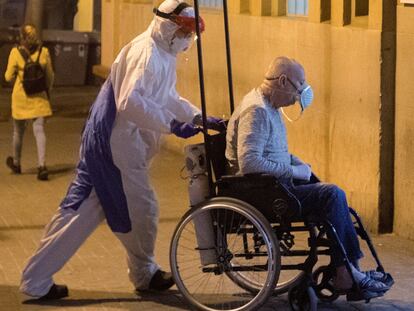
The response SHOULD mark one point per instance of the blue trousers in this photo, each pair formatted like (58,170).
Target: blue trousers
(328,202)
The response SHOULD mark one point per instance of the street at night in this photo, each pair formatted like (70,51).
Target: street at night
(96,275)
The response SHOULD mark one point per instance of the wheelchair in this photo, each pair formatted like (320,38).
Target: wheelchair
(236,249)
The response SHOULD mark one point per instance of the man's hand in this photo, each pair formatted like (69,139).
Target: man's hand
(216,124)
(302,172)
(183,130)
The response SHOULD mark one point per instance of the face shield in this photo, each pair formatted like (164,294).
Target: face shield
(184,18)
(188,23)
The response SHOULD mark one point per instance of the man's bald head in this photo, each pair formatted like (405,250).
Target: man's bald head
(279,77)
(282,65)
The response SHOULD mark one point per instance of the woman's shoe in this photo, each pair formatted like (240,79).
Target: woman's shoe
(42,173)
(16,169)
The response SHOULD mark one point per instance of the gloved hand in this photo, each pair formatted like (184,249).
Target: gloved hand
(302,172)
(213,123)
(183,130)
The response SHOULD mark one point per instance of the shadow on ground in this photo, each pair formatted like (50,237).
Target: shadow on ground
(104,300)
(173,300)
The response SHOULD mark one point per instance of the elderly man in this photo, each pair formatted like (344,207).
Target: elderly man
(257,143)
(136,105)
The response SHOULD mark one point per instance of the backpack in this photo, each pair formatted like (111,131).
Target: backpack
(34,78)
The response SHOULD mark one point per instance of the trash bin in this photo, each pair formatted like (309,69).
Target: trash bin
(12,12)
(69,53)
(94,57)
(9,37)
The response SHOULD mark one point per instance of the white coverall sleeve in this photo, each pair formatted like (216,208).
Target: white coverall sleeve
(140,108)
(253,133)
(182,108)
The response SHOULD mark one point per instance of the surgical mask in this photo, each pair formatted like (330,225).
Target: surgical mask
(180,44)
(305,97)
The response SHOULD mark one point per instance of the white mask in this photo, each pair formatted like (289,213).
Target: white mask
(306,97)
(178,45)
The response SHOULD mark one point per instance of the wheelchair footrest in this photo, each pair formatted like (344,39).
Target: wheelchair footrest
(362,295)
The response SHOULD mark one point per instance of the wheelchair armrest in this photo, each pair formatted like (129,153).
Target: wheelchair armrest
(264,192)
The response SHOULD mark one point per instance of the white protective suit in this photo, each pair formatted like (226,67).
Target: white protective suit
(142,84)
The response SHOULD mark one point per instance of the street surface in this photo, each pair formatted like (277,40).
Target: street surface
(96,275)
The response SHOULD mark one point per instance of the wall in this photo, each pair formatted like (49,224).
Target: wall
(84,17)
(339,134)
(404,131)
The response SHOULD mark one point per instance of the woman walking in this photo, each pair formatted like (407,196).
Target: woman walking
(30,97)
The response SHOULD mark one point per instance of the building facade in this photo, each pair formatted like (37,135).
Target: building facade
(357,56)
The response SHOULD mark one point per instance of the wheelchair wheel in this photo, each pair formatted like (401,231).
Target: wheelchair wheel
(324,289)
(235,226)
(303,298)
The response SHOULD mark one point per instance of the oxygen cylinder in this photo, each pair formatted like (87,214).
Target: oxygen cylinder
(198,191)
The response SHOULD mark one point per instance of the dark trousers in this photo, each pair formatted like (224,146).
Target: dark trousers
(328,202)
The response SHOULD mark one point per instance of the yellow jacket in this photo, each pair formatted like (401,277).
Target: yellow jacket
(24,106)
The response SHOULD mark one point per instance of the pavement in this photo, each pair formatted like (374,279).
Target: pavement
(96,275)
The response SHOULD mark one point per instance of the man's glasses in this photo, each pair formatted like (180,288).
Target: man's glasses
(290,81)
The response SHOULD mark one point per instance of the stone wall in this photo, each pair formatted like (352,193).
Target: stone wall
(339,135)
(404,131)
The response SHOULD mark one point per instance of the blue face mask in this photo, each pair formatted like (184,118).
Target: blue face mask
(305,97)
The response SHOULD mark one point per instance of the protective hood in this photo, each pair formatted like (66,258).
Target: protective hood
(163,30)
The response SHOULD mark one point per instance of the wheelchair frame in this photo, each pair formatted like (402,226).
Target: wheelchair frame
(305,288)
(271,207)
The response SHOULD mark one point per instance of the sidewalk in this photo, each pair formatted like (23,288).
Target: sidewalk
(96,275)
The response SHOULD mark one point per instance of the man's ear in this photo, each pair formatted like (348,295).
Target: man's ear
(282,80)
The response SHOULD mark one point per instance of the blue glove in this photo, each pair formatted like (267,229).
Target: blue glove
(183,130)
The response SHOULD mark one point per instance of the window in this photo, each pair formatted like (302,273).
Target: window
(211,4)
(361,7)
(297,7)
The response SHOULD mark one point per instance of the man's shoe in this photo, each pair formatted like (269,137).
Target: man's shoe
(16,169)
(161,281)
(383,277)
(56,292)
(42,173)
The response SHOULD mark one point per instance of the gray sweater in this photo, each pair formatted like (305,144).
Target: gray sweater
(256,139)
